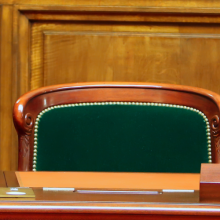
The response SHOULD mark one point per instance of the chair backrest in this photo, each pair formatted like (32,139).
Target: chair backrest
(117,127)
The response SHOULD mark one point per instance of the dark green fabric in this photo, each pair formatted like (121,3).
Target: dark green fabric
(121,138)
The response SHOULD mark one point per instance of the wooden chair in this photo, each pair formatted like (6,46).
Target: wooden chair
(120,127)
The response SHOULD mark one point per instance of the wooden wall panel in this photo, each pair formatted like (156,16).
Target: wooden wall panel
(45,43)
(185,53)
(123,56)
(8,152)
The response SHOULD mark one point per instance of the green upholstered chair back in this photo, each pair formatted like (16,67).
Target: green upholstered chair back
(121,137)
(105,129)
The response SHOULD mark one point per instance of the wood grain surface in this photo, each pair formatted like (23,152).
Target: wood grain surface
(123,56)
(8,151)
(131,3)
(52,42)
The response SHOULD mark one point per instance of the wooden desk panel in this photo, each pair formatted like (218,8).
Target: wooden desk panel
(76,205)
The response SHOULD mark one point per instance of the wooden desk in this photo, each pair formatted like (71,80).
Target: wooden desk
(76,205)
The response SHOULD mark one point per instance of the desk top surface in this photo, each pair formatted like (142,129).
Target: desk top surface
(109,180)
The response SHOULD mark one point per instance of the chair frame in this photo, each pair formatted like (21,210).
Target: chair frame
(28,106)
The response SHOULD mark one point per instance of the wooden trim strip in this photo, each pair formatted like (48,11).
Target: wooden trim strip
(140,3)
(120,9)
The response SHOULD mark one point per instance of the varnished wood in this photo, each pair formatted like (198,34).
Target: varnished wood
(69,205)
(31,104)
(131,3)
(210,183)
(76,205)
(2,179)
(11,179)
(46,42)
(8,152)
(121,13)
(115,62)
(114,210)
(24,53)
(52,41)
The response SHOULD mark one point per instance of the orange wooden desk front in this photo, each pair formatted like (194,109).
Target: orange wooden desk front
(105,204)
